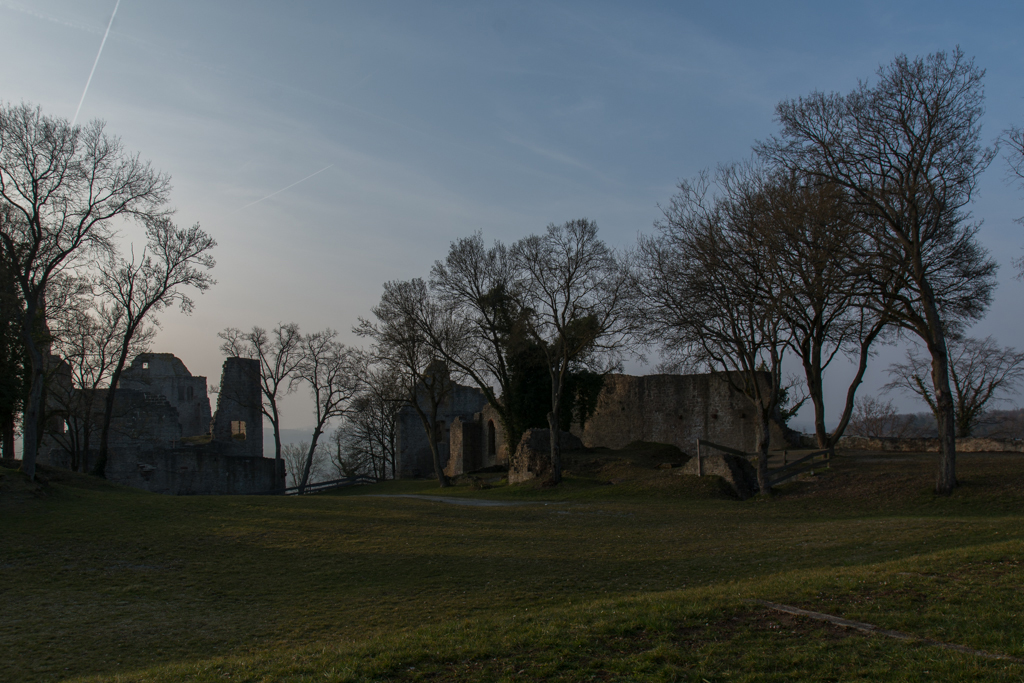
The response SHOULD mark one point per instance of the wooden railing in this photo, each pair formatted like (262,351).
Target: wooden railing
(718,447)
(320,486)
(791,469)
(777,475)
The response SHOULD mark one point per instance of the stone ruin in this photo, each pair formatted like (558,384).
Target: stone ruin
(471,437)
(532,459)
(669,409)
(163,437)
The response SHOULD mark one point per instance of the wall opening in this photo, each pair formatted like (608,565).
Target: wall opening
(439,437)
(492,446)
(238,430)
(145,365)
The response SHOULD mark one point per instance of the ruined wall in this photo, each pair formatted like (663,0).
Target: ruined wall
(672,409)
(464,447)
(929,445)
(180,471)
(142,420)
(412,447)
(157,403)
(239,419)
(494,450)
(165,375)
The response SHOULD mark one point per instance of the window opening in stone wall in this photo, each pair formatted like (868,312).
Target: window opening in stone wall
(492,448)
(439,437)
(181,393)
(238,430)
(145,366)
(189,393)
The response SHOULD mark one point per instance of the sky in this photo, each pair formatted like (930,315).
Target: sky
(329,147)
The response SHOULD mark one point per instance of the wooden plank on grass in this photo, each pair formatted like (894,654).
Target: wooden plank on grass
(871,628)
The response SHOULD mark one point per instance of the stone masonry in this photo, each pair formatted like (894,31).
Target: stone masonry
(162,439)
(670,409)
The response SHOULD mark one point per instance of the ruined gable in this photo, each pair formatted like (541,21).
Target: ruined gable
(164,374)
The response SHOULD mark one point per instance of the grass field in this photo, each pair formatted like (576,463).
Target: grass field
(650,580)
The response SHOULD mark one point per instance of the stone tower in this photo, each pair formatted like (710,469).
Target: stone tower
(239,420)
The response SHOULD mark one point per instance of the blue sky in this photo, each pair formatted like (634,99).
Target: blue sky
(434,120)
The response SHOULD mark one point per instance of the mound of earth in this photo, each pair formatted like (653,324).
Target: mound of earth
(15,486)
(640,467)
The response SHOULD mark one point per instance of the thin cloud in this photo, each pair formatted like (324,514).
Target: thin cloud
(282,189)
(559,157)
(52,20)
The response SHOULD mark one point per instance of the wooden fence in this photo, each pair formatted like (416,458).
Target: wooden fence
(320,486)
(776,475)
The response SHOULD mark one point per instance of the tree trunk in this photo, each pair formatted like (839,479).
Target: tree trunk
(556,448)
(945,480)
(76,447)
(430,427)
(810,355)
(276,423)
(935,338)
(7,427)
(33,414)
(309,460)
(100,468)
(763,439)
(442,478)
(557,380)
(851,392)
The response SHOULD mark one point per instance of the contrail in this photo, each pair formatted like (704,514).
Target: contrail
(283,188)
(96,61)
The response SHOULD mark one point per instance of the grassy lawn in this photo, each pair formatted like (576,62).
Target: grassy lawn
(648,579)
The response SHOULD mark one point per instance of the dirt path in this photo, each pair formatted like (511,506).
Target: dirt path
(475,502)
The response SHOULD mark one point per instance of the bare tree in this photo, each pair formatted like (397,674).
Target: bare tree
(707,294)
(333,372)
(174,259)
(907,152)
(981,371)
(88,340)
(1013,138)
(575,289)
(874,419)
(411,325)
(481,285)
(279,355)
(296,455)
(12,359)
(367,439)
(814,244)
(61,186)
